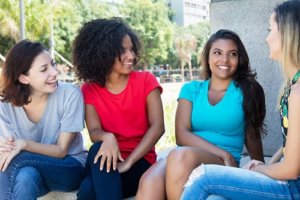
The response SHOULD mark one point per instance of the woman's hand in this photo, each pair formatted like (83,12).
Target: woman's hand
(252,164)
(7,144)
(109,152)
(6,157)
(124,166)
(229,160)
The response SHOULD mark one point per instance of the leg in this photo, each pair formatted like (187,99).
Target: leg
(131,178)
(234,183)
(106,186)
(58,174)
(86,190)
(29,184)
(180,163)
(153,180)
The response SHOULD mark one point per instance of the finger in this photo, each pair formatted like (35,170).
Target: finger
(10,143)
(6,163)
(115,162)
(2,161)
(120,157)
(108,163)
(10,138)
(5,149)
(98,155)
(103,159)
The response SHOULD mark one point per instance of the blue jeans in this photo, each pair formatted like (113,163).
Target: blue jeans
(235,183)
(31,175)
(101,185)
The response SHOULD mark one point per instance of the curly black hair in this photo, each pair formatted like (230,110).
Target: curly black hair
(98,44)
(254,98)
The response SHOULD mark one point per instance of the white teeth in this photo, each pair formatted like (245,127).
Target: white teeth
(223,67)
(52,82)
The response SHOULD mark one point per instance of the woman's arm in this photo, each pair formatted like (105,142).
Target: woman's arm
(254,146)
(109,150)
(154,132)
(277,156)
(58,150)
(289,168)
(185,137)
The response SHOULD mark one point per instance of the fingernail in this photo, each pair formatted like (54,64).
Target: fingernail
(107,171)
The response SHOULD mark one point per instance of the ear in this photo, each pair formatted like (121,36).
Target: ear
(23,79)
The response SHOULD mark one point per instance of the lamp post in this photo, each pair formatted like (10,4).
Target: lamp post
(22,20)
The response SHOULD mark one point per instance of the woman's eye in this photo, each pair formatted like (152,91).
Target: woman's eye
(217,53)
(233,54)
(44,69)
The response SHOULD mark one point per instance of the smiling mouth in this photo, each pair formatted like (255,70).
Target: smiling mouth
(223,67)
(52,82)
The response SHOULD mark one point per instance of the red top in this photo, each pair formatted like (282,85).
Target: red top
(124,114)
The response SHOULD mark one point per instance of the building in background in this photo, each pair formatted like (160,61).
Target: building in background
(188,12)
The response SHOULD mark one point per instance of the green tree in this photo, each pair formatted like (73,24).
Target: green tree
(151,21)
(8,19)
(189,42)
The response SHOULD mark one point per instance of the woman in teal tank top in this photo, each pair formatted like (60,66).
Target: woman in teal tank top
(214,118)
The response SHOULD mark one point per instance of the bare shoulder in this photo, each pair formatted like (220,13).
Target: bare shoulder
(295,93)
(295,90)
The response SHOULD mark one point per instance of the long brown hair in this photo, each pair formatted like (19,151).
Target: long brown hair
(18,61)
(245,78)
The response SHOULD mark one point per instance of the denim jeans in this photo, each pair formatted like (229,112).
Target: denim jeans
(234,183)
(101,185)
(31,175)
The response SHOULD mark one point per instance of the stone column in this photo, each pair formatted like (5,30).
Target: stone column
(249,19)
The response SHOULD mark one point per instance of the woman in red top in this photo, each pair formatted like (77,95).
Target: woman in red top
(124,113)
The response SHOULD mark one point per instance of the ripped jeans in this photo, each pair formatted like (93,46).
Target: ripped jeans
(221,182)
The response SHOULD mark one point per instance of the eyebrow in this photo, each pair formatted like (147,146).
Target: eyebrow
(235,50)
(46,64)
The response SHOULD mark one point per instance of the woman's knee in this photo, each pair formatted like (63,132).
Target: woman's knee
(154,177)
(180,158)
(28,175)
(27,183)
(93,151)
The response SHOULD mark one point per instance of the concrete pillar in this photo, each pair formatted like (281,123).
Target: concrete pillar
(249,19)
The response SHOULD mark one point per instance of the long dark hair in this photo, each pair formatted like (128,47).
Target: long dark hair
(245,78)
(18,61)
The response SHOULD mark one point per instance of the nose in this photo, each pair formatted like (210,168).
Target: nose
(225,58)
(130,54)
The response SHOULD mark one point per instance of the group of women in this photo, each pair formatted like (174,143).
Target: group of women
(41,119)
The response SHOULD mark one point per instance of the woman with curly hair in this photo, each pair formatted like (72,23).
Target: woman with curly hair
(124,113)
(41,119)
(214,117)
(278,180)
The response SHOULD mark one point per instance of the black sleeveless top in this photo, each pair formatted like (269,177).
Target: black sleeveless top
(283,107)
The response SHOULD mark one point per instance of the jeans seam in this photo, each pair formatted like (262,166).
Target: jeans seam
(266,194)
(19,163)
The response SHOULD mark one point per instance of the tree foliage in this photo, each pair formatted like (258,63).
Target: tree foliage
(149,18)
